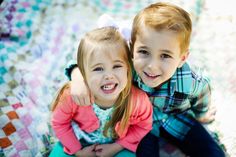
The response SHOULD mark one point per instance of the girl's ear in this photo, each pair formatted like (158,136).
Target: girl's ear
(184,57)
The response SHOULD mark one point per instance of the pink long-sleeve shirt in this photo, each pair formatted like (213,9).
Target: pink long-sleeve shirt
(140,122)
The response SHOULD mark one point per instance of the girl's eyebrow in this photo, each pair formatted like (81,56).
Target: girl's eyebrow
(119,61)
(95,65)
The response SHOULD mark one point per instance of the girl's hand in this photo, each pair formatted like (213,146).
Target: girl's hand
(88,151)
(79,90)
(107,150)
(209,116)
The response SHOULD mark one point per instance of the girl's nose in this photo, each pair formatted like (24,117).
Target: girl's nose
(109,76)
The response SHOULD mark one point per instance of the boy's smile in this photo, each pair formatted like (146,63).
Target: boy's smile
(156,55)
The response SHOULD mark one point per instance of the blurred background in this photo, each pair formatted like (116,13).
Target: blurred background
(39,37)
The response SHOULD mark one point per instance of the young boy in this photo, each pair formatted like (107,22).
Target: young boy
(181,99)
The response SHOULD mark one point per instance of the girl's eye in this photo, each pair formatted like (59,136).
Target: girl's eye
(165,56)
(98,69)
(144,52)
(117,66)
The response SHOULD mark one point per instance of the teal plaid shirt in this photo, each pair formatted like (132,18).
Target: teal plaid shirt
(184,95)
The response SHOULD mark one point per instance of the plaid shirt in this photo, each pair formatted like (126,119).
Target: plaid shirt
(184,95)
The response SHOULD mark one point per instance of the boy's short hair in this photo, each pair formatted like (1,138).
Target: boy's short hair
(164,16)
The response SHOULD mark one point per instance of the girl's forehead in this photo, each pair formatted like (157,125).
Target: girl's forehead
(110,51)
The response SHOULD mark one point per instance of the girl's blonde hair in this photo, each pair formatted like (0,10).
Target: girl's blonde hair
(106,38)
(164,16)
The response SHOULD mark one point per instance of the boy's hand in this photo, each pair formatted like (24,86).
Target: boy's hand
(79,90)
(107,150)
(209,116)
(88,151)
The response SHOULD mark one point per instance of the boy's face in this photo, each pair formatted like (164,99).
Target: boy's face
(156,56)
(106,74)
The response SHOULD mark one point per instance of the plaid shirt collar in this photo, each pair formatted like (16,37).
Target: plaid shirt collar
(180,82)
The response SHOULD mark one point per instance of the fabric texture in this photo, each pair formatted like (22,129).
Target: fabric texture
(104,115)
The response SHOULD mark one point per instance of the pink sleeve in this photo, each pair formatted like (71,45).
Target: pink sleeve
(61,123)
(140,123)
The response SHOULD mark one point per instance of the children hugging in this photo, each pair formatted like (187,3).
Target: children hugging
(180,98)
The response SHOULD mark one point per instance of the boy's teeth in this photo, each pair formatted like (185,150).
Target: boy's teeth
(151,75)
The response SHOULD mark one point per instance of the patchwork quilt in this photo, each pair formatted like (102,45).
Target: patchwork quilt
(38,38)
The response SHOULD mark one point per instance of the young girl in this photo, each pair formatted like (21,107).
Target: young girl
(121,114)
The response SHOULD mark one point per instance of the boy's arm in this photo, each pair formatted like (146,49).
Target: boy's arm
(61,124)
(140,122)
(79,90)
(201,101)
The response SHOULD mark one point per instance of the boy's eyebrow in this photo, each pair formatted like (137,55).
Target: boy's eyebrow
(167,51)
(143,47)
(163,50)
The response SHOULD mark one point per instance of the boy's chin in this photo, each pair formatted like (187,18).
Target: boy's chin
(151,84)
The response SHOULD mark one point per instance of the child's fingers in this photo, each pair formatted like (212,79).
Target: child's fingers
(98,148)
(76,100)
(91,98)
(87,101)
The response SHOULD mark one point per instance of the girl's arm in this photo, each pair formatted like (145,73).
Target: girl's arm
(140,122)
(61,123)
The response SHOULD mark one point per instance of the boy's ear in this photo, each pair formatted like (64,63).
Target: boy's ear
(184,57)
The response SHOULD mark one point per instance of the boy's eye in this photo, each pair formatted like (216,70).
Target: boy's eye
(98,69)
(144,52)
(165,56)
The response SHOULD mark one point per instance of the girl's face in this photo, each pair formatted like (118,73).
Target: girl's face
(106,74)
(156,56)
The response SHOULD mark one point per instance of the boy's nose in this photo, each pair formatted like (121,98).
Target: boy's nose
(153,64)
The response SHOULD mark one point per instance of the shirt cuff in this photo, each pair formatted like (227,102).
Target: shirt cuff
(70,66)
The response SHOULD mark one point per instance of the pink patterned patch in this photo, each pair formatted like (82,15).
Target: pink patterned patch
(33,96)
(20,145)
(26,119)
(19,17)
(25,4)
(34,83)
(17,105)
(127,6)
(106,2)
(20,32)
(24,133)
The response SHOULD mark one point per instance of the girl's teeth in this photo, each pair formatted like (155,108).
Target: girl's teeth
(108,87)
